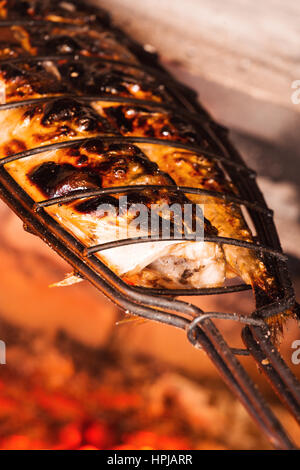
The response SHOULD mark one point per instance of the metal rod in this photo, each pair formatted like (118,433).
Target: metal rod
(122,140)
(207,238)
(271,363)
(249,393)
(82,194)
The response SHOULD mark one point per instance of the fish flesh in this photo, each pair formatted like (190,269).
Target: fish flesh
(50,66)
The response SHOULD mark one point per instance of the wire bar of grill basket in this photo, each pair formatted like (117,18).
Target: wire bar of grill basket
(161,304)
(221,240)
(155,105)
(127,189)
(287,385)
(124,140)
(159,74)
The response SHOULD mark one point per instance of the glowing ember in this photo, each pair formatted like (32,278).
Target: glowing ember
(99,400)
(35,418)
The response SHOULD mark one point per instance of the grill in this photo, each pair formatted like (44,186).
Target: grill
(162,305)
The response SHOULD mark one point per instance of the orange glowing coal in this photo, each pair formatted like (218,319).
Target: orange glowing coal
(36,418)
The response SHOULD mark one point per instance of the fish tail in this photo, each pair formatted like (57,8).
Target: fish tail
(268,296)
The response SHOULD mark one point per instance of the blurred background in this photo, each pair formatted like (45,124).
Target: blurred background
(75,379)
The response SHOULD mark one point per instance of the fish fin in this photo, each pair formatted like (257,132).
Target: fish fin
(69,280)
(131,319)
(275,322)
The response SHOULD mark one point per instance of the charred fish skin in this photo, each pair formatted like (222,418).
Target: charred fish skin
(70,56)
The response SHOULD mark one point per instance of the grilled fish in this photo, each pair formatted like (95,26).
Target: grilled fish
(71,77)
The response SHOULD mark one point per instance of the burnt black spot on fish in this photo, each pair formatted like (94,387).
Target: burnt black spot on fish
(26,78)
(92,81)
(56,180)
(94,44)
(32,111)
(131,202)
(99,206)
(66,131)
(11,72)
(119,147)
(61,45)
(74,151)
(111,83)
(149,167)
(141,121)
(186,274)
(166,131)
(73,72)
(149,131)
(93,146)
(82,160)
(184,128)
(67,109)
(116,166)
(119,117)
(139,197)
(119,156)
(108,79)
(128,120)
